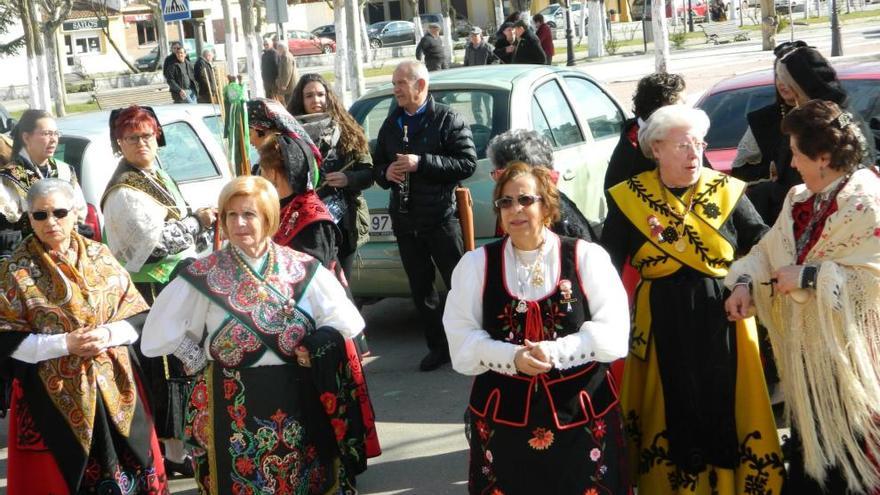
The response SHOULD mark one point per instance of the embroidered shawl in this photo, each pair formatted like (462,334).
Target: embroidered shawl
(42,295)
(302,211)
(827,346)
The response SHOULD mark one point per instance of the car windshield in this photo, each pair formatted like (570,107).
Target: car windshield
(727,110)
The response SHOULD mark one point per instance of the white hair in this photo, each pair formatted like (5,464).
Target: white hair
(670,117)
(415,70)
(46,187)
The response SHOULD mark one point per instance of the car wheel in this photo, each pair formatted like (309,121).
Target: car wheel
(375,43)
(552,24)
(327,49)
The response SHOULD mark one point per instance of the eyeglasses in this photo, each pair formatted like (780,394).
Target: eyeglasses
(524,200)
(684,146)
(49,133)
(41,216)
(136,138)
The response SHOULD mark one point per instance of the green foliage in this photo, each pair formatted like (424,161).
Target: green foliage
(783,24)
(8,18)
(678,38)
(612,45)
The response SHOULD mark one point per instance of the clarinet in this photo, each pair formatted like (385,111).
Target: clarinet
(403,206)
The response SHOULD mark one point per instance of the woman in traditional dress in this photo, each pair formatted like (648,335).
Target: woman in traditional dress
(815,281)
(35,139)
(275,407)
(150,229)
(346,168)
(698,418)
(78,420)
(537,317)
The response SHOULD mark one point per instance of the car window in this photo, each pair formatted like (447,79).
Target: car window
(184,156)
(603,117)
(215,124)
(539,122)
(864,97)
(376,112)
(559,115)
(71,150)
(727,112)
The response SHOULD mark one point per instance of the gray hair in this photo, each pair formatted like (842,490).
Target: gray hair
(46,187)
(280,44)
(415,70)
(520,145)
(207,51)
(671,117)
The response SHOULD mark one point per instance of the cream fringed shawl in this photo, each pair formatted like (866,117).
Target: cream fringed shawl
(828,347)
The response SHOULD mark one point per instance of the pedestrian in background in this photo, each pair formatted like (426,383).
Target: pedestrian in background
(287,74)
(504,43)
(545,35)
(431,48)
(423,151)
(182,78)
(478,51)
(269,68)
(527,46)
(204,72)
(170,59)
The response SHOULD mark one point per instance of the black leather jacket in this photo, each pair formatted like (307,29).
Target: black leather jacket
(447,156)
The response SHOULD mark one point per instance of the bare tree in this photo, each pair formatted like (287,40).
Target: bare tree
(499,13)
(229,40)
(37,73)
(55,12)
(9,17)
(661,36)
(102,12)
(158,26)
(356,47)
(252,47)
(769,21)
(340,61)
(417,21)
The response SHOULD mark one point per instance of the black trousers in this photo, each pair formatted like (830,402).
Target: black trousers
(422,252)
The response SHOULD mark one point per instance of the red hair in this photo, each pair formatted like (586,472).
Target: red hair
(133,118)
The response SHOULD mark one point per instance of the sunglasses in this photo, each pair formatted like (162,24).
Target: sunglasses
(524,200)
(44,215)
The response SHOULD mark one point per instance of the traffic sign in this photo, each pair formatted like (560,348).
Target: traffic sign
(175,10)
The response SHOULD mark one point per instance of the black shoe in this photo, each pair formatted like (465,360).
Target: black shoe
(184,469)
(434,360)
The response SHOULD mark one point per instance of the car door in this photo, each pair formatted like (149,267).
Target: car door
(554,119)
(186,157)
(313,42)
(602,116)
(397,30)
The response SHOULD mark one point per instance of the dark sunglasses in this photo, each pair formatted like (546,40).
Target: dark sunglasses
(524,200)
(43,215)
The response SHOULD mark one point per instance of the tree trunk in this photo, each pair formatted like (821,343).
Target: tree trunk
(447,30)
(768,25)
(595,46)
(417,21)
(355,63)
(365,38)
(56,84)
(252,48)
(661,36)
(229,41)
(34,100)
(340,61)
(161,34)
(36,55)
(499,14)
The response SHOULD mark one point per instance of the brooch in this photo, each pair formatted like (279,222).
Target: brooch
(565,291)
(522,307)
(655,228)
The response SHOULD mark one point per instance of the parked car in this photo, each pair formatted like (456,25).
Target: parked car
(729,101)
(699,8)
(554,14)
(782,6)
(150,61)
(326,31)
(306,43)
(391,33)
(573,111)
(193,154)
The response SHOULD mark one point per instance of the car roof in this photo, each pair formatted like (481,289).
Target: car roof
(95,125)
(845,70)
(502,76)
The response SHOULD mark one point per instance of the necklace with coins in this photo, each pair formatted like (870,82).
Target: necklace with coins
(263,286)
(678,238)
(534,274)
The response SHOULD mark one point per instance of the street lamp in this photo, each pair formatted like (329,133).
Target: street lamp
(691,16)
(569,44)
(836,41)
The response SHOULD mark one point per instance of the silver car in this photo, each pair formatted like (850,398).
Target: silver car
(574,112)
(193,154)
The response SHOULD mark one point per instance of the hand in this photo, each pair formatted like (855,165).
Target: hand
(336,179)
(406,163)
(528,364)
(739,304)
(88,342)
(537,351)
(302,357)
(394,174)
(509,49)
(788,278)
(206,216)
(183,94)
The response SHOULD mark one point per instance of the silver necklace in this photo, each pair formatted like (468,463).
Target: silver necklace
(534,274)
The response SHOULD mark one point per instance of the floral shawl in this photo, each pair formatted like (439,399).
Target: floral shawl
(827,339)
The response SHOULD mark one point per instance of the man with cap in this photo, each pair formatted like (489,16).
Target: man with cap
(527,46)
(478,52)
(431,47)
(504,43)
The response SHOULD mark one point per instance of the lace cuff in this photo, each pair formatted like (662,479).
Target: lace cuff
(191,355)
(177,236)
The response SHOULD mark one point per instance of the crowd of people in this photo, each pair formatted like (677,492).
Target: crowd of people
(223,343)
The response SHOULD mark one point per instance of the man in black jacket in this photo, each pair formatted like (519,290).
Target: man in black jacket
(431,47)
(204,72)
(423,150)
(269,68)
(528,47)
(181,79)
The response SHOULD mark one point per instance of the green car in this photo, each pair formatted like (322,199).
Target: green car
(569,108)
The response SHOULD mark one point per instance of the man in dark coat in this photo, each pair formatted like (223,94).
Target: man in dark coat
(269,68)
(171,58)
(504,43)
(528,48)
(423,151)
(431,47)
(204,73)
(545,36)
(181,78)
(478,51)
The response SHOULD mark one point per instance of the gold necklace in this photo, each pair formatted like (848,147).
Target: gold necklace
(262,293)
(535,271)
(680,243)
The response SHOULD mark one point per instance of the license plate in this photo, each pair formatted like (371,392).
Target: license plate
(380,224)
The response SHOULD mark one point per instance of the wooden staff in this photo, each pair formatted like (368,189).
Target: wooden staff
(466,217)
(245,159)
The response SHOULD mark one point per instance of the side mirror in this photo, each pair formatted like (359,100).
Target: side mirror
(874,123)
